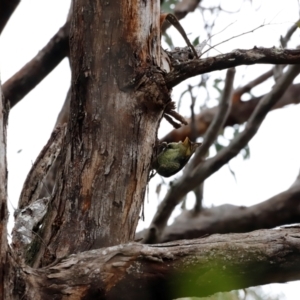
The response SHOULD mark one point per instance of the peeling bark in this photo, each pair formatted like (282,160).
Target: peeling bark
(118,98)
(197,267)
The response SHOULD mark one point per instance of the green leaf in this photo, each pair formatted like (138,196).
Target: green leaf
(196,41)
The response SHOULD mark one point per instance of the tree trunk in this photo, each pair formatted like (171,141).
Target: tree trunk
(118,98)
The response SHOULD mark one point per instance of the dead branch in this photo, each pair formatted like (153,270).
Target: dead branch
(185,70)
(20,84)
(35,179)
(197,267)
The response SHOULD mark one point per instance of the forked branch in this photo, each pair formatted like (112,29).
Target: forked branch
(185,70)
(191,179)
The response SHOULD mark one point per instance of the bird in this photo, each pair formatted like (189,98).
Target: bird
(174,157)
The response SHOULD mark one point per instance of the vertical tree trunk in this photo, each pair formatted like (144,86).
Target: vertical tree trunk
(118,98)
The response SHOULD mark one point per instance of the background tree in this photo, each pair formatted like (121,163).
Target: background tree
(96,167)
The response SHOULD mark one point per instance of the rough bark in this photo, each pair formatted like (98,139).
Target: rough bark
(197,267)
(187,69)
(118,98)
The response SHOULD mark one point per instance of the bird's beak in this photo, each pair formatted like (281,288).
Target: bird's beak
(190,145)
(187,142)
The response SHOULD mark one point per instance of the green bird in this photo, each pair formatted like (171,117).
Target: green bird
(174,157)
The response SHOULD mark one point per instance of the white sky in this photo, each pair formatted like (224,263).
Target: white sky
(274,162)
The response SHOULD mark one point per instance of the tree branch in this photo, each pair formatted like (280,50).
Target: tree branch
(39,170)
(190,180)
(198,267)
(250,85)
(218,121)
(185,70)
(239,113)
(181,9)
(20,84)
(279,210)
(7,7)
(284,40)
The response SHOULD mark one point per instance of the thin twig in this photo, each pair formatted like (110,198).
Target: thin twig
(192,107)
(234,37)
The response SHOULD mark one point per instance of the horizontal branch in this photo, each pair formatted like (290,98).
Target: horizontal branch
(20,84)
(198,267)
(185,70)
